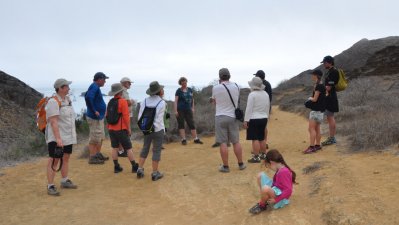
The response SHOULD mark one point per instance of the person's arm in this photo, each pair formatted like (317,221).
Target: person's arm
(125,114)
(90,95)
(285,182)
(315,97)
(248,110)
(175,105)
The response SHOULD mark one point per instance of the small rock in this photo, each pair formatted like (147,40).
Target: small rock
(376,172)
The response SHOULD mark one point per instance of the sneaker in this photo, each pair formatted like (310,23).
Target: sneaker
(68,184)
(140,173)
(329,141)
(257,209)
(102,157)
(122,153)
(95,160)
(215,145)
(224,169)
(135,167)
(254,159)
(242,166)
(198,141)
(52,190)
(184,142)
(317,147)
(156,176)
(309,150)
(118,169)
(262,156)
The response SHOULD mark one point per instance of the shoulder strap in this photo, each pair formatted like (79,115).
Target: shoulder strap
(58,101)
(230,95)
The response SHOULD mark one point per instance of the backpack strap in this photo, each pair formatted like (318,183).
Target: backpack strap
(231,98)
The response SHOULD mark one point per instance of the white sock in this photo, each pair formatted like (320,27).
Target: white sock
(64,179)
(49,185)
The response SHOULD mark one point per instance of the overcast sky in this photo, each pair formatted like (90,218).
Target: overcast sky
(43,40)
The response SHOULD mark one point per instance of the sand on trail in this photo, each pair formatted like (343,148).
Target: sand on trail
(338,188)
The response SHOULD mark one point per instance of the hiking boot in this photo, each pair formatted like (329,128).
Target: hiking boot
(95,160)
(317,147)
(262,156)
(242,166)
(118,169)
(68,184)
(140,173)
(198,141)
(329,141)
(122,153)
(156,176)
(102,157)
(184,142)
(224,169)
(254,159)
(215,145)
(52,190)
(309,150)
(135,167)
(257,208)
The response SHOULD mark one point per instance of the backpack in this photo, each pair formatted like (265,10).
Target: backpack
(146,121)
(41,121)
(112,111)
(342,81)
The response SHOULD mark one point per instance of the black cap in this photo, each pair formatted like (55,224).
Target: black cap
(99,75)
(317,72)
(260,74)
(328,59)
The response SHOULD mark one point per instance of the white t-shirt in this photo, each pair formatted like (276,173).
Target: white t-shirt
(257,105)
(126,96)
(224,106)
(66,120)
(152,101)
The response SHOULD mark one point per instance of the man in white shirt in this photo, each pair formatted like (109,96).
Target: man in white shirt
(226,125)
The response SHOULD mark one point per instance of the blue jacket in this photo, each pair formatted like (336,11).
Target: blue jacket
(95,102)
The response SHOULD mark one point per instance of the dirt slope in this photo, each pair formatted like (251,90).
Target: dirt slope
(337,188)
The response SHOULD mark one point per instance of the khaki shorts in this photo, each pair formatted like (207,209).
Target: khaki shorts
(97,133)
(227,130)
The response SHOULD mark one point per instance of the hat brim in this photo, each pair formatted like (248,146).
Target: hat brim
(254,87)
(149,92)
(112,93)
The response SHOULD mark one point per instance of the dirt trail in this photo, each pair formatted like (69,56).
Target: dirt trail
(338,188)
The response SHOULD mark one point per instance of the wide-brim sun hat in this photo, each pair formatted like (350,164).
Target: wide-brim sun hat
(126,79)
(115,89)
(256,84)
(61,82)
(154,88)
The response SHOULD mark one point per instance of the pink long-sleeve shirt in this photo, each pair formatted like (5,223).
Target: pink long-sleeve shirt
(283,180)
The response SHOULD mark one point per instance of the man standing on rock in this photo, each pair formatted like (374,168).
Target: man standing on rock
(331,78)
(95,118)
(226,125)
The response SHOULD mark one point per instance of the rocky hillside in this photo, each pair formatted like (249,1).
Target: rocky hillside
(369,106)
(17,126)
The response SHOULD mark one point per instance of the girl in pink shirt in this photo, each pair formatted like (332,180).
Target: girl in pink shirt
(278,190)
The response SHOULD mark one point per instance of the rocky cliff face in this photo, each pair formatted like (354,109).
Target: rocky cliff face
(17,123)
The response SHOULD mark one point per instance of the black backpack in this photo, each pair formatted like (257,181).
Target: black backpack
(112,112)
(146,121)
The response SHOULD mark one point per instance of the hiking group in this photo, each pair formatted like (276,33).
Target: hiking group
(152,120)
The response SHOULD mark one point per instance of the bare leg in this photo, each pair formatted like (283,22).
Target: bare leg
(92,149)
(115,153)
(65,165)
(194,133)
(182,133)
(155,166)
(50,172)
(318,134)
(312,132)
(237,151)
(331,125)
(224,154)
(256,147)
(130,155)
